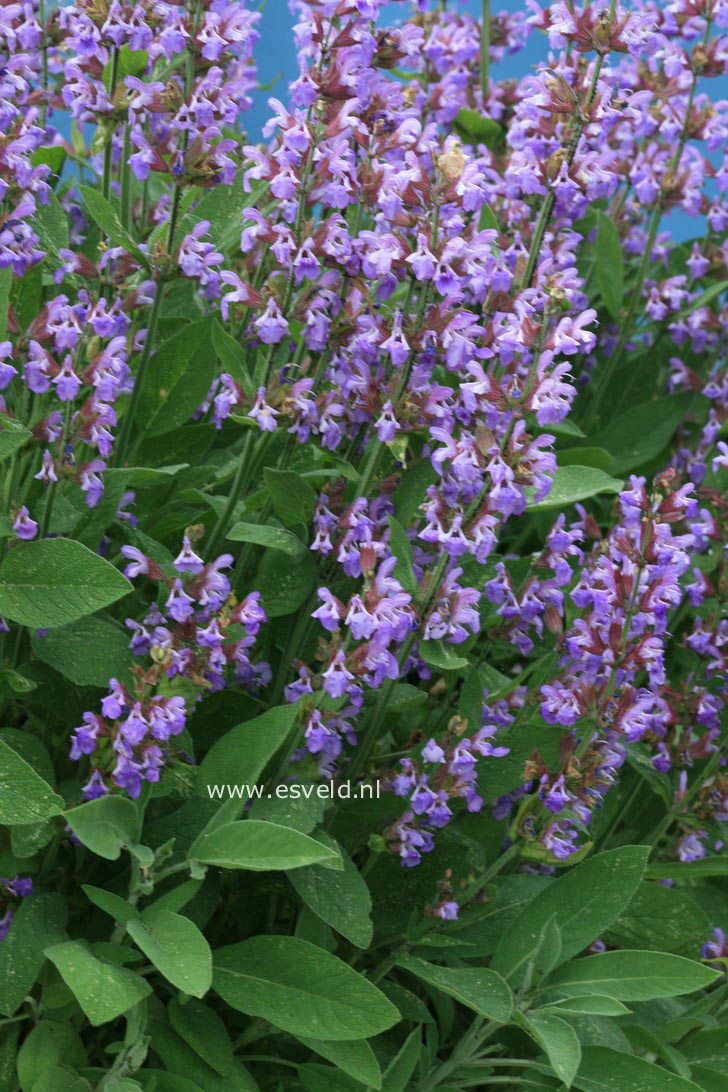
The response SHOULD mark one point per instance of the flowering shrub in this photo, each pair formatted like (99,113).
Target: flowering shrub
(363,569)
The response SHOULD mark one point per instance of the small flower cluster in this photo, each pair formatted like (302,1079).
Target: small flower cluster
(445,772)
(202,635)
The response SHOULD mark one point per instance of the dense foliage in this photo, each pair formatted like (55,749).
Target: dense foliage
(380,468)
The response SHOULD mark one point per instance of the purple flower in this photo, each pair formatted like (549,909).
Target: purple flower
(24,527)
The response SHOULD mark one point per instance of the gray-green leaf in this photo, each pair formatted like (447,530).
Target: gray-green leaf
(633,976)
(177,949)
(483,991)
(51,582)
(300,988)
(259,846)
(24,796)
(103,990)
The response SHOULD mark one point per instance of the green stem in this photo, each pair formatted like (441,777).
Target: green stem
(43,63)
(126,180)
(128,421)
(237,489)
(484,50)
(610,366)
(548,206)
(106,180)
(682,806)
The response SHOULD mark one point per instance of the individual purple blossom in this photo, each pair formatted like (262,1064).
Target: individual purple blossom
(24,527)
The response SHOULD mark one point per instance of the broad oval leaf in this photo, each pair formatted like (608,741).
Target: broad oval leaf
(633,976)
(24,796)
(105,825)
(246,749)
(355,1058)
(605,1070)
(204,1031)
(88,652)
(482,990)
(39,921)
(180,374)
(259,846)
(300,988)
(583,903)
(341,899)
(51,582)
(262,534)
(103,990)
(558,1040)
(177,949)
(576,483)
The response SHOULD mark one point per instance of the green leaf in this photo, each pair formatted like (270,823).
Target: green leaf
(246,749)
(412,489)
(129,62)
(113,905)
(442,656)
(558,1040)
(232,357)
(481,990)
(291,496)
(632,975)
(13,435)
(53,156)
(591,1005)
(51,223)
(576,483)
(487,220)
(401,547)
(605,1070)
(262,534)
(609,269)
(323,1078)
(260,847)
(355,1058)
(475,127)
(47,1046)
(662,919)
(38,921)
(507,772)
(105,825)
(24,796)
(341,899)
(585,456)
(706,297)
(641,432)
(284,587)
(184,1063)
(30,748)
(88,652)
(709,1047)
(103,990)
(103,213)
(406,697)
(180,375)
(51,582)
(300,988)
(583,902)
(177,949)
(203,1030)
(399,1071)
(223,206)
